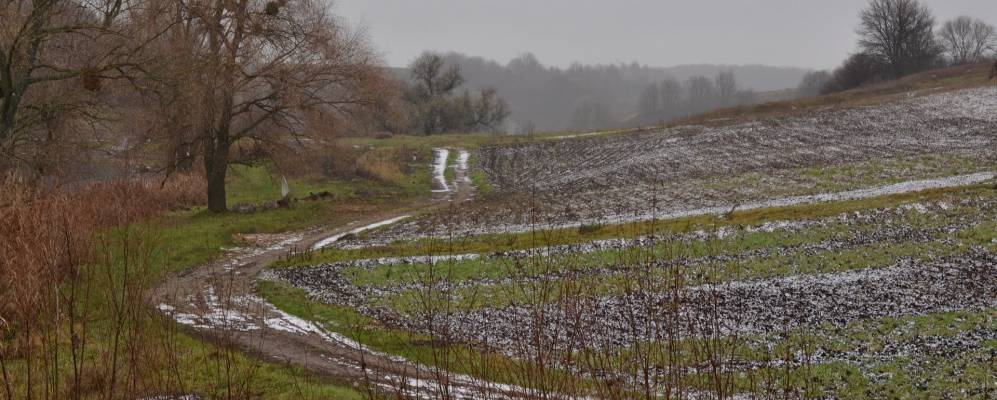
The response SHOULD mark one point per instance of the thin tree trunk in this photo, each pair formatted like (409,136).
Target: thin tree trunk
(8,107)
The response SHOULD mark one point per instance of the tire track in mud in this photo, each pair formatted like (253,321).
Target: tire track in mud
(461,188)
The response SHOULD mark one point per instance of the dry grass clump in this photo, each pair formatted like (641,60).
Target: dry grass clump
(347,162)
(381,165)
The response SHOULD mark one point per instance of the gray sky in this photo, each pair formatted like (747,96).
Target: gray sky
(804,33)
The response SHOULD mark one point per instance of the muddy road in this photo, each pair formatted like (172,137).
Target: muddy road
(218,300)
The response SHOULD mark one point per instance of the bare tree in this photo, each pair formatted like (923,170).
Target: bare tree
(487,112)
(900,33)
(701,94)
(432,78)
(54,56)
(813,82)
(256,70)
(439,111)
(966,40)
(432,83)
(671,98)
(726,88)
(649,104)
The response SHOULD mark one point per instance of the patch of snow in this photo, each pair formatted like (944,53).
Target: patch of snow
(462,159)
(439,170)
(334,238)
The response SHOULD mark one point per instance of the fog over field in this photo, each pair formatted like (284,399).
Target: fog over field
(549,97)
(552,60)
(807,34)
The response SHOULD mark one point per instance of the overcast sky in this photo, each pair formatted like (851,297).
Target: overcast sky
(803,33)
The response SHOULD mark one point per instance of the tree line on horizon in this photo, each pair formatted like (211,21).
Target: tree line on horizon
(671,99)
(584,97)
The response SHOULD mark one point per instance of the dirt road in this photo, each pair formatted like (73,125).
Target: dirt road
(218,299)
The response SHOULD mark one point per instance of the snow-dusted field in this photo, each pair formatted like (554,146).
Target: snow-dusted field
(913,263)
(911,260)
(904,225)
(604,179)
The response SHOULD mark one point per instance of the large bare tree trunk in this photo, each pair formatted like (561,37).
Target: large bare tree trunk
(216,168)
(217,144)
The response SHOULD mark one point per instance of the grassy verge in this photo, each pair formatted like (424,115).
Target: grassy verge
(478,177)
(477,296)
(414,347)
(666,250)
(259,184)
(148,354)
(195,237)
(540,238)
(450,169)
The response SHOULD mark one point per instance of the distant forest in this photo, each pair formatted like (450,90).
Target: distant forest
(582,97)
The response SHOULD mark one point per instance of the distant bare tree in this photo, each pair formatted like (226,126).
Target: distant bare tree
(901,33)
(966,40)
(432,85)
(700,94)
(487,112)
(432,78)
(649,104)
(671,98)
(812,83)
(591,114)
(439,111)
(726,88)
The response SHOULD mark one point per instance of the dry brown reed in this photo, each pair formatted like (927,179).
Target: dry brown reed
(73,268)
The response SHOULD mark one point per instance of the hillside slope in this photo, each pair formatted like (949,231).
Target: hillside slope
(874,136)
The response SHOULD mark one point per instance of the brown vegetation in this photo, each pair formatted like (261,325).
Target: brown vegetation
(72,270)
